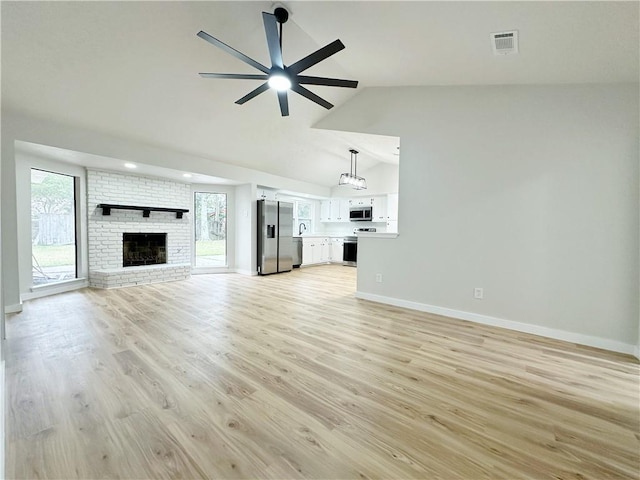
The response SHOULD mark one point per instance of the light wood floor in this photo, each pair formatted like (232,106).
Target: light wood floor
(289,376)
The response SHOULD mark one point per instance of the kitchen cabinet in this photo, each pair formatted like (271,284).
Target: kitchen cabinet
(379,210)
(326,211)
(339,210)
(360,202)
(315,250)
(337,246)
(325,251)
(267,194)
(334,210)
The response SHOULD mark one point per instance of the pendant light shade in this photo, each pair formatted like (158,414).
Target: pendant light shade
(351,178)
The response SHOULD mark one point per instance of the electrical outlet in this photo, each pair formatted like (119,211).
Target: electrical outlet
(379,277)
(478,293)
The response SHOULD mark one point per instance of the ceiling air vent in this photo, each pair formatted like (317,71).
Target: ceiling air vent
(504,43)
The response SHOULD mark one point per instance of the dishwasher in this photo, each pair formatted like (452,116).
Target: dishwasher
(297,252)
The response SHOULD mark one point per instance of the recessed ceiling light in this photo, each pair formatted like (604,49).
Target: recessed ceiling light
(130,165)
(186,175)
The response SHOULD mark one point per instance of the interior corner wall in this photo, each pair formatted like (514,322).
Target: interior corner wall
(11,289)
(530,192)
(246,225)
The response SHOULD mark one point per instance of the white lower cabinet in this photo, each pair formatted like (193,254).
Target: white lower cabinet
(337,246)
(315,250)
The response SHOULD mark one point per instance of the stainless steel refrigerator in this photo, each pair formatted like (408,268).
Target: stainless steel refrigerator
(275,237)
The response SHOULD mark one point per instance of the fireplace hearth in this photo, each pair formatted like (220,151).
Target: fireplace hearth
(144,249)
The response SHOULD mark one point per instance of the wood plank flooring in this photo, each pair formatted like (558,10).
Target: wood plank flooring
(290,376)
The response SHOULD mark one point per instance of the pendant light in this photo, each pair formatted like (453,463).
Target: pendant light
(352,178)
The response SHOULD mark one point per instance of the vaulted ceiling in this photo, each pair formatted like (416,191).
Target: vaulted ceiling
(131,68)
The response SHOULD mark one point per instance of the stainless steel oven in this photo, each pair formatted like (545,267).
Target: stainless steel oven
(350,251)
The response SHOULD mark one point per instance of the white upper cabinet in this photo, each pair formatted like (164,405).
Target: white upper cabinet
(334,210)
(339,210)
(379,210)
(384,208)
(266,194)
(326,210)
(360,202)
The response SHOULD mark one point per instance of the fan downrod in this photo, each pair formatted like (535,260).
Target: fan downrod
(281,15)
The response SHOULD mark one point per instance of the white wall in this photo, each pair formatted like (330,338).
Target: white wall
(530,192)
(2,336)
(246,225)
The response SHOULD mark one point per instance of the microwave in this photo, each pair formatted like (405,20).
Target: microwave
(361,214)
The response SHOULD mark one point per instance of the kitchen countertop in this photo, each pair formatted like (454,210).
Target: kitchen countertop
(320,235)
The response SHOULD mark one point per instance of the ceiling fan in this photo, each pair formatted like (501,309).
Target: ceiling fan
(281,77)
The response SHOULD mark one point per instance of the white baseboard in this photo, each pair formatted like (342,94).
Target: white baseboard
(604,343)
(2,421)
(246,272)
(17,308)
(45,290)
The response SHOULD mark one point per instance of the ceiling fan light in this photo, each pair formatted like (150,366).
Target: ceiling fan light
(279,82)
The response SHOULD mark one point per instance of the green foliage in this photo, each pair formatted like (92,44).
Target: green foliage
(51,193)
(210,216)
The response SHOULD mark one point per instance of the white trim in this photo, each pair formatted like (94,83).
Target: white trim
(246,272)
(598,342)
(211,270)
(377,235)
(53,289)
(16,308)
(636,352)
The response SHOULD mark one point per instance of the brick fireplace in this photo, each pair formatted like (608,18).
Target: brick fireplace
(108,240)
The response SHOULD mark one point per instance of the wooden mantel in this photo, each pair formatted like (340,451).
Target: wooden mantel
(146,211)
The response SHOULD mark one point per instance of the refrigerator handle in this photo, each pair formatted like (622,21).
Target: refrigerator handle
(271,231)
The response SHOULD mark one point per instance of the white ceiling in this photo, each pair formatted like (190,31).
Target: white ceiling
(131,68)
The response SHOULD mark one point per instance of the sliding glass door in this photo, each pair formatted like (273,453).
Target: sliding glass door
(53,227)
(210,229)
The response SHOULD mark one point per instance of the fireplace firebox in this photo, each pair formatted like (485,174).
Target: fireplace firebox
(144,249)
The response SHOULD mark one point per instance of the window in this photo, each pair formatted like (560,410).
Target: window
(302,215)
(210,229)
(53,227)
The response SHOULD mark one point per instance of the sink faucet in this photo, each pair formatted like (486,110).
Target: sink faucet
(301,228)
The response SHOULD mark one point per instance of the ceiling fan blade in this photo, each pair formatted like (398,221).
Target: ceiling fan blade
(311,96)
(284,103)
(273,39)
(234,76)
(232,51)
(253,93)
(316,57)
(329,82)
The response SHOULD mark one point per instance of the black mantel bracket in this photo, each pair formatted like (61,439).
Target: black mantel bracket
(146,211)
